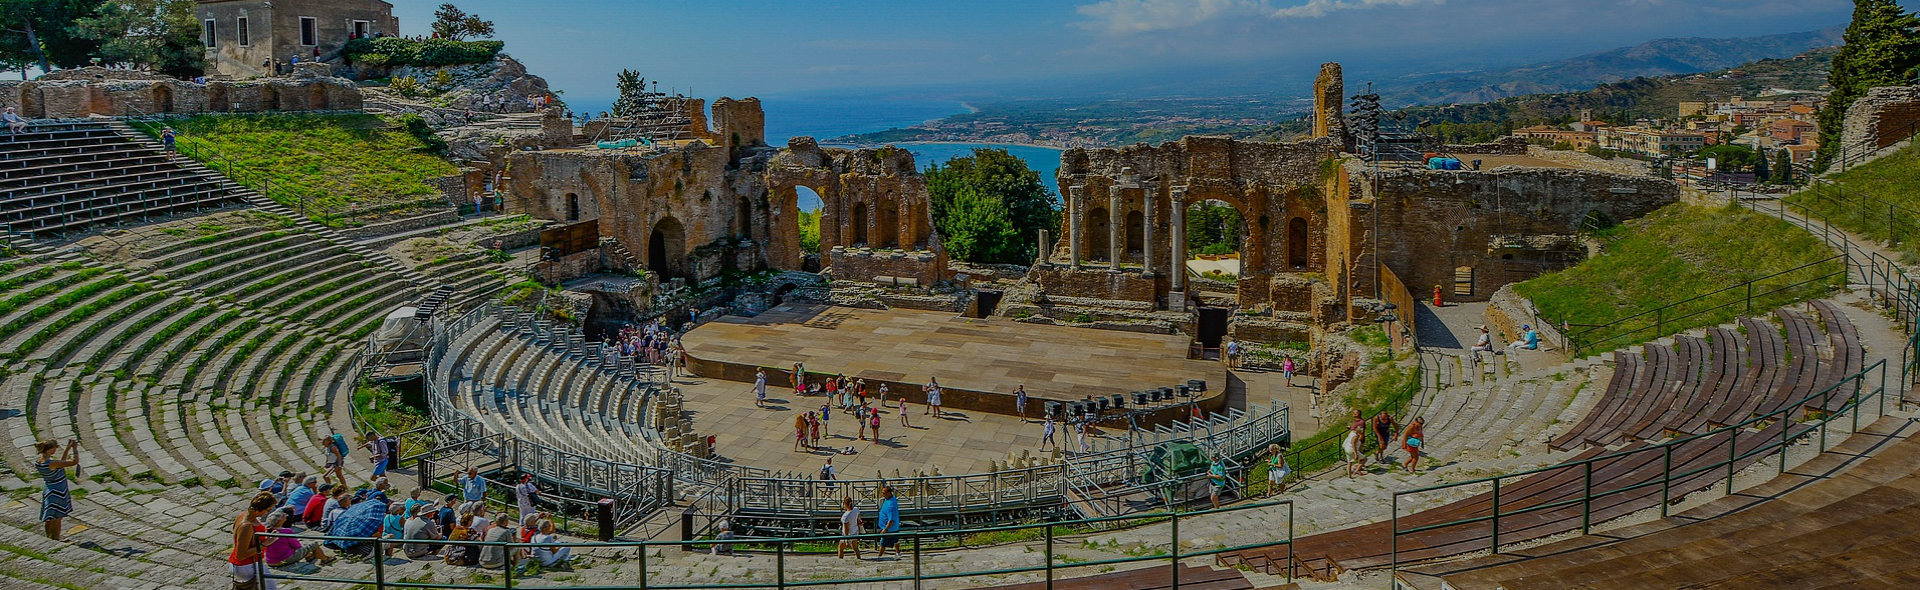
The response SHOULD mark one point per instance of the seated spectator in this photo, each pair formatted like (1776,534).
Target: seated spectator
(462,531)
(1529,338)
(361,520)
(422,528)
(15,123)
(394,525)
(286,551)
(316,508)
(445,516)
(725,534)
(494,556)
(336,506)
(550,556)
(481,524)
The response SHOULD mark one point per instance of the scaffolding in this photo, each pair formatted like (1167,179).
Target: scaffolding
(658,118)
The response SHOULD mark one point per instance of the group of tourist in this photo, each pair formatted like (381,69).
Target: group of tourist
(1384,432)
(1235,355)
(653,343)
(888,524)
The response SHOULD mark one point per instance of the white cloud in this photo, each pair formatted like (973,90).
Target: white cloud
(1140,16)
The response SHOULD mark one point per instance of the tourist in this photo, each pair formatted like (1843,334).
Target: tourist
(813,430)
(336,449)
(245,561)
(759,388)
(1416,439)
(860,421)
(1233,353)
(1046,434)
(480,521)
(413,501)
(1484,343)
(873,422)
(377,446)
(826,415)
(1350,445)
(1086,435)
(379,493)
(1383,429)
(495,554)
(849,526)
(881,395)
(286,551)
(392,526)
(933,396)
(903,412)
(445,517)
(527,495)
(832,387)
(826,471)
(1217,480)
(472,487)
(55,501)
(461,531)
(16,124)
(725,534)
(298,497)
(1277,470)
(166,137)
(799,379)
(889,521)
(421,528)
(800,432)
(1287,369)
(1020,401)
(547,550)
(315,509)
(336,506)
(1529,338)
(277,485)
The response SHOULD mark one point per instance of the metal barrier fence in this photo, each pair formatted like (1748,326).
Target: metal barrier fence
(911,571)
(1784,419)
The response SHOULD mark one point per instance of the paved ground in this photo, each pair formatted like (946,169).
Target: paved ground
(988,355)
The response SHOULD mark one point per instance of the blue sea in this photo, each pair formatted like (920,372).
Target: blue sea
(823,118)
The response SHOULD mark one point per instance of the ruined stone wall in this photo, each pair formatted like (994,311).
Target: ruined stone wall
(740,122)
(863,264)
(1500,224)
(1882,118)
(1126,285)
(871,197)
(1505,146)
(1329,105)
(119,93)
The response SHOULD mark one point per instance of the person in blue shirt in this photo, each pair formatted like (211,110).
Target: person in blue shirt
(1529,338)
(1217,476)
(297,499)
(889,521)
(472,488)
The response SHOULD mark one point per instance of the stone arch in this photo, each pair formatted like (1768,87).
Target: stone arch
(1297,255)
(317,97)
(858,218)
(162,98)
(1099,227)
(667,248)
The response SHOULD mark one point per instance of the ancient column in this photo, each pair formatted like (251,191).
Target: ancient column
(1116,226)
(1147,197)
(1076,208)
(1046,249)
(1178,234)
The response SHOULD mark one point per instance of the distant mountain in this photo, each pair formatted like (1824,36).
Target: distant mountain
(1659,57)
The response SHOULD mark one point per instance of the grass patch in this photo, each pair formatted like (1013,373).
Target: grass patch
(382,409)
(79,314)
(329,162)
(1879,200)
(1677,254)
(122,337)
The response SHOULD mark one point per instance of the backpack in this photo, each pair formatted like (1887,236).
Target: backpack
(392,444)
(340,443)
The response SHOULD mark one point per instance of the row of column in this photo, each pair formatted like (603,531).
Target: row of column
(1116,226)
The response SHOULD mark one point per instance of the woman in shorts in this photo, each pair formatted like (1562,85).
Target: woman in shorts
(1277,470)
(1416,441)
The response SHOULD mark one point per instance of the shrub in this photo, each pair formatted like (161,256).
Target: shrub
(398,51)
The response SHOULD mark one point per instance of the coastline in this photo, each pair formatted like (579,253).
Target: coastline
(835,143)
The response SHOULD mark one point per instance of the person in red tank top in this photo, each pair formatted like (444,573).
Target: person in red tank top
(245,558)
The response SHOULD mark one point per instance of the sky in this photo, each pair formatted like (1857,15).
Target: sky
(1063,48)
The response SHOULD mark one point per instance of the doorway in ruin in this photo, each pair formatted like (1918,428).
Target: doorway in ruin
(1213,328)
(1297,255)
(859,219)
(743,219)
(1463,281)
(809,208)
(1098,232)
(667,249)
(573,207)
(887,226)
(162,98)
(1136,235)
(1216,233)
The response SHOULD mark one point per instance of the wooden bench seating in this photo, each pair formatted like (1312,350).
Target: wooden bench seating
(1848,355)
(1626,366)
(1728,365)
(1766,353)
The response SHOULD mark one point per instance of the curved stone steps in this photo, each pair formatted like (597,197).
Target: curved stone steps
(53,419)
(207,280)
(15,392)
(182,345)
(226,429)
(238,237)
(173,438)
(310,375)
(289,377)
(1468,426)
(193,272)
(268,299)
(63,564)
(107,347)
(334,383)
(69,343)
(210,357)
(100,430)
(258,376)
(308,270)
(197,428)
(299,305)
(381,299)
(280,265)
(1583,403)
(161,524)
(235,366)
(1536,425)
(264,440)
(357,323)
(28,297)
(13,341)
(133,428)
(150,349)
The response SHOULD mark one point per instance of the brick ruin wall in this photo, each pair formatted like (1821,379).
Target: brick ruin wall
(1883,117)
(85,92)
(867,265)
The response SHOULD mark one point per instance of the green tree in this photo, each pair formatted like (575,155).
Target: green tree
(1213,229)
(1783,167)
(632,89)
(158,35)
(1881,48)
(990,207)
(41,32)
(449,22)
(1760,172)
(810,232)
(1729,157)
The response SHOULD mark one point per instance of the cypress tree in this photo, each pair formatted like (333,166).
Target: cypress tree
(1783,167)
(1760,172)
(1881,49)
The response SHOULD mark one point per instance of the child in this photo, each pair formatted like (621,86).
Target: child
(903,413)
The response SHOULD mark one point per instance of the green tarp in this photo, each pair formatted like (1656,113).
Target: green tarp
(1174,460)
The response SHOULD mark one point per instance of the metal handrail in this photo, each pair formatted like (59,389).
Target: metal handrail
(1050,531)
(1660,319)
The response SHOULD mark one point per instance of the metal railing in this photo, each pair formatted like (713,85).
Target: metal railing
(1800,282)
(910,572)
(1789,420)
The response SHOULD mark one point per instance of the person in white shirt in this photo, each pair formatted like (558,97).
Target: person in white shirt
(849,526)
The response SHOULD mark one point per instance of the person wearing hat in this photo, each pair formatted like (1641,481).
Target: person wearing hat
(1529,338)
(421,527)
(1485,341)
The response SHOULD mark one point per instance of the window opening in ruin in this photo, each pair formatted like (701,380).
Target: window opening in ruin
(162,99)
(1136,233)
(241,29)
(1215,231)
(1463,281)
(1213,328)
(1297,255)
(743,220)
(309,31)
(887,226)
(1099,224)
(573,207)
(859,218)
(360,29)
(666,249)
(207,33)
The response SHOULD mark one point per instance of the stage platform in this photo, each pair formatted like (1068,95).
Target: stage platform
(978,361)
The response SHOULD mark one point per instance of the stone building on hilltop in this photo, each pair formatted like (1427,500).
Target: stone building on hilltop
(254,38)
